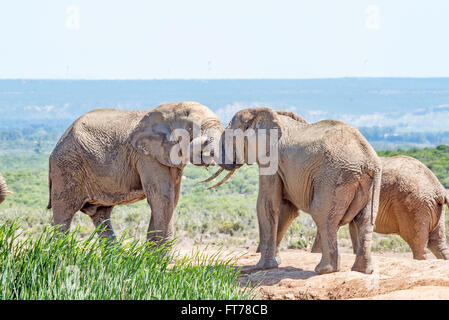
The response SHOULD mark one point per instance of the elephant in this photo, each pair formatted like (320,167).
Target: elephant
(411,205)
(110,157)
(3,189)
(327,169)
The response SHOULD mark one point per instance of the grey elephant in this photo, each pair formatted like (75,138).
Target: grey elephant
(411,205)
(3,189)
(327,169)
(111,157)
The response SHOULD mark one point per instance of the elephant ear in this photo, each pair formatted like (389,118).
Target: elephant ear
(265,118)
(152,138)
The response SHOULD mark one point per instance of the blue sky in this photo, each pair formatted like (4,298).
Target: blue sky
(198,39)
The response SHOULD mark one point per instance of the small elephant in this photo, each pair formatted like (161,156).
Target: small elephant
(412,206)
(111,157)
(3,189)
(327,169)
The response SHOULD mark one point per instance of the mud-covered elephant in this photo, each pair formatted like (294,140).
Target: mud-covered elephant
(110,157)
(3,189)
(327,169)
(411,205)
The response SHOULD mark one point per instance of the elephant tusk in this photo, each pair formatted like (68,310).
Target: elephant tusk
(216,174)
(224,180)
(9,192)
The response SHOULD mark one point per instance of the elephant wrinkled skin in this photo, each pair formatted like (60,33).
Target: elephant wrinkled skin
(3,189)
(110,157)
(411,205)
(327,169)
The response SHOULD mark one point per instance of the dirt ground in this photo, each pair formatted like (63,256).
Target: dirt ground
(396,276)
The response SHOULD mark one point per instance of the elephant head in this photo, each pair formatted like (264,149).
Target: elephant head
(3,189)
(243,141)
(165,130)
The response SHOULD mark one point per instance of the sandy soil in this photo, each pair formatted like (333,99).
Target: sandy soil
(396,276)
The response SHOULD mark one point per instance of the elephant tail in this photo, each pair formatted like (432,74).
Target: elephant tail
(49,185)
(375,196)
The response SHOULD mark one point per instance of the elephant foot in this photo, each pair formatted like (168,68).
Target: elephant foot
(323,268)
(316,247)
(109,241)
(440,252)
(278,256)
(362,265)
(444,254)
(420,256)
(270,263)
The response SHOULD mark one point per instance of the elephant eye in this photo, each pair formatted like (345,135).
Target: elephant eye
(190,131)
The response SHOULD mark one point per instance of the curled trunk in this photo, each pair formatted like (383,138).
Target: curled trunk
(3,189)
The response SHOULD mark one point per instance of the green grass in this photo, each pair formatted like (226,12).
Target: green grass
(53,266)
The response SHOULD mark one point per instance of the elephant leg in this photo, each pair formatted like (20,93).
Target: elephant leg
(363,213)
(151,228)
(288,213)
(328,238)
(353,232)
(415,231)
(161,227)
(63,213)
(418,245)
(328,213)
(362,235)
(176,174)
(160,192)
(101,219)
(316,248)
(268,207)
(65,200)
(437,239)
(322,212)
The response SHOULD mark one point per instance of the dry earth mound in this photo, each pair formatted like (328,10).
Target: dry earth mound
(395,277)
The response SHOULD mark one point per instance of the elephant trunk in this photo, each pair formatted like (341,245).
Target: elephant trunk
(223,163)
(3,189)
(228,154)
(203,148)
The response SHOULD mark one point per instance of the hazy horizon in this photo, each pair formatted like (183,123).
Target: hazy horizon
(398,110)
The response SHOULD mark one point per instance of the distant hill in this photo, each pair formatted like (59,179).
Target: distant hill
(390,112)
